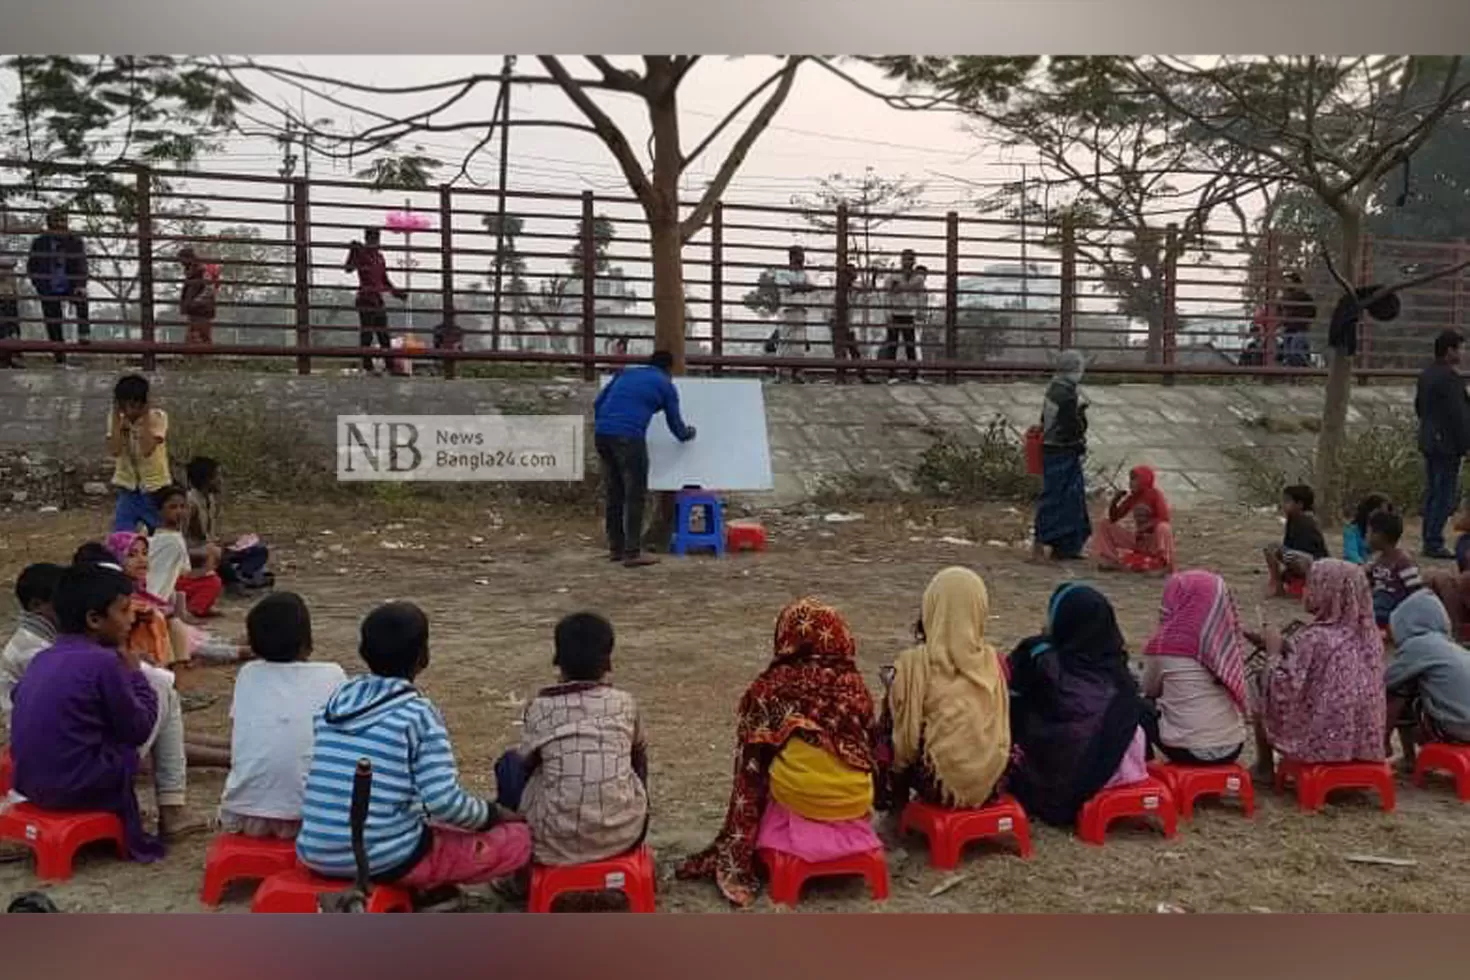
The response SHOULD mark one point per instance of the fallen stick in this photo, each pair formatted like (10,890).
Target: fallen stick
(1386,861)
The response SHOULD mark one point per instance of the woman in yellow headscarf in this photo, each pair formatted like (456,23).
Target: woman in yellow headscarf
(950,708)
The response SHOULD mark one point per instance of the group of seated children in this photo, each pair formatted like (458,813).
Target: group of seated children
(1370,540)
(1053,723)
(184,523)
(1063,717)
(85,709)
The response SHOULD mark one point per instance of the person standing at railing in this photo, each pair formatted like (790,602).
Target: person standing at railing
(58,271)
(795,289)
(366,259)
(198,298)
(1296,310)
(906,299)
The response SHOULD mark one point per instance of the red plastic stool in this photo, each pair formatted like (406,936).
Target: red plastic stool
(1314,780)
(1138,561)
(56,836)
(789,873)
(7,773)
(235,857)
(632,874)
(950,830)
(1149,798)
(1189,783)
(296,891)
(1295,587)
(745,536)
(1447,758)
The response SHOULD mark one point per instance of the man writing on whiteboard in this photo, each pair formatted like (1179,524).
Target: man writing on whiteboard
(621,414)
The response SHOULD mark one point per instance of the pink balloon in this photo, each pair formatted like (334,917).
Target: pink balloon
(408,221)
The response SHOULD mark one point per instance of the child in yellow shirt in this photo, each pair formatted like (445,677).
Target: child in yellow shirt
(137,441)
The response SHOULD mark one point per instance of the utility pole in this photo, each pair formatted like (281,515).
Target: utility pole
(287,140)
(507,64)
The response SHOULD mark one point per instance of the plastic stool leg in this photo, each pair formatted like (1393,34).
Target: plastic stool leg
(1022,831)
(878,881)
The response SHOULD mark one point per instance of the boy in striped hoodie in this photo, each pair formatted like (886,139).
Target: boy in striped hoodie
(424,831)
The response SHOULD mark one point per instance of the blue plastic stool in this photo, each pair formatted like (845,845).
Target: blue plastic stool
(713,535)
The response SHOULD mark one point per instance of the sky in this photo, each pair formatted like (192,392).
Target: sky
(826,126)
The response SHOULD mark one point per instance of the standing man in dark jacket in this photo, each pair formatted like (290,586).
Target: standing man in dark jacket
(1296,310)
(57,268)
(621,415)
(1444,437)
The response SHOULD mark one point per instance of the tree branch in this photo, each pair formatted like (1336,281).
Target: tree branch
(616,78)
(729,118)
(605,128)
(691,225)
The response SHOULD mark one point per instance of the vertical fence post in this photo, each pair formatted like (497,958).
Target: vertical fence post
(1365,330)
(717,284)
(841,295)
(951,292)
(1068,298)
(301,225)
(147,322)
(589,288)
(446,275)
(1171,298)
(1268,300)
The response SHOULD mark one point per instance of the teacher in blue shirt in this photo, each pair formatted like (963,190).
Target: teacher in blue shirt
(621,415)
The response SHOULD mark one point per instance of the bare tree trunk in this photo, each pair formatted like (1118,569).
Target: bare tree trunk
(1328,471)
(666,244)
(668,287)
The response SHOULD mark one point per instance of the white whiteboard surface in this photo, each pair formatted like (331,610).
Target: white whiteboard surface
(730,450)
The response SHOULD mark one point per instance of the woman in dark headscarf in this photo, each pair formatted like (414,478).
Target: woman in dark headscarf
(1075,709)
(803,756)
(1062,523)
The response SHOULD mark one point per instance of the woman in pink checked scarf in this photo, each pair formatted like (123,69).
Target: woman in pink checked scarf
(1194,673)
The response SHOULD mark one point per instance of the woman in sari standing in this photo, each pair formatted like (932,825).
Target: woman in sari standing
(803,757)
(1062,524)
(1076,713)
(949,703)
(1319,692)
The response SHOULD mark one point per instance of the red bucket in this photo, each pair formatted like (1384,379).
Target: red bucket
(1033,450)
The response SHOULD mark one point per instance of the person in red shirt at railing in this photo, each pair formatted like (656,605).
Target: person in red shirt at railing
(366,259)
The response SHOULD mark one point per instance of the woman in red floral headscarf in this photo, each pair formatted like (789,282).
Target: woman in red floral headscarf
(803,757)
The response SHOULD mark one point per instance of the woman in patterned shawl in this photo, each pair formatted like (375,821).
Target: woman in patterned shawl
(1320,693)
(811,697)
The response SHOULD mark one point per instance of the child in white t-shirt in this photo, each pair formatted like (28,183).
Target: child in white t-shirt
(277,697)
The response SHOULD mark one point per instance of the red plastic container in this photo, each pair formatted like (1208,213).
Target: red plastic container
(1033,451)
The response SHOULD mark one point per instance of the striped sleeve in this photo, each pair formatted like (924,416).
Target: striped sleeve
(436,777)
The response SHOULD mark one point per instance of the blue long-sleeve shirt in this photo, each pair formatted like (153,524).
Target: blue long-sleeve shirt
(629,402)
(415,780)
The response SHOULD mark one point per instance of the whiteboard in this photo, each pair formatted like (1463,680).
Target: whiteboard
(730,450)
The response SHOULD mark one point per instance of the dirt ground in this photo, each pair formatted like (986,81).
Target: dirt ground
(691,634)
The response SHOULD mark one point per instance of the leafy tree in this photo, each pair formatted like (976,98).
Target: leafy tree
(1333,126)
(406,171)
(103,111)
(872,202)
